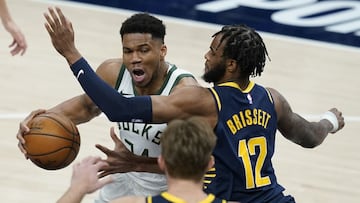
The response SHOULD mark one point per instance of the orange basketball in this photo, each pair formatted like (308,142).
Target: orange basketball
(53,141)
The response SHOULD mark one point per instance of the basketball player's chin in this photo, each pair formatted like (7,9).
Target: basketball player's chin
(140,83)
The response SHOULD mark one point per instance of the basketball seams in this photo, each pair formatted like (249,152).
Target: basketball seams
(62,124)
(54,166)
(60,137)
(52,152)
(74,131)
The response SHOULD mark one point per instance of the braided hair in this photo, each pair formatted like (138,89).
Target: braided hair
(246,46)
(144,23)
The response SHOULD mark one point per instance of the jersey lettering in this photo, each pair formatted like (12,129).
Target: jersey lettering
(248,117)
(156,138)
(139,130)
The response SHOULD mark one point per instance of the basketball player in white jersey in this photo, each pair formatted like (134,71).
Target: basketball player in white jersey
(141,139)
(141,71)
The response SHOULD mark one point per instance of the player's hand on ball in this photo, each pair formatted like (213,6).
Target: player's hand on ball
(24,128)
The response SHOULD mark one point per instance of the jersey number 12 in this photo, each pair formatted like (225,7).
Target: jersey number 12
(245,151)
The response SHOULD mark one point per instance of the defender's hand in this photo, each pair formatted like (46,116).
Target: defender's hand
(119,159)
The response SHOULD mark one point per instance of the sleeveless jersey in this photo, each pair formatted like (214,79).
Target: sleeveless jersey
(141,139)
(247,123)
(166,197)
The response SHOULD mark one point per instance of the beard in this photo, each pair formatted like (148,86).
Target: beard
(215,74)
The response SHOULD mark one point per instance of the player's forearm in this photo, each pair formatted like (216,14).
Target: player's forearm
(72,56)
(134,163)
(305,133)
(320,130)
(78,109)
(4,12)
(115,106)
(315,134)
(147,164)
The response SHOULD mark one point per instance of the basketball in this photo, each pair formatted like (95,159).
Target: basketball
(53,141)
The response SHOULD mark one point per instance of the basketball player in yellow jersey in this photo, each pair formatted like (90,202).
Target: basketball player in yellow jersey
(141,71)
(184,143)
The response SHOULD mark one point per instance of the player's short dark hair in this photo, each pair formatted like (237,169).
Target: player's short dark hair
(246,46)
(144,23)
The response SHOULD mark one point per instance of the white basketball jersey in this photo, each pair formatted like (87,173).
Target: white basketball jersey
(141,139)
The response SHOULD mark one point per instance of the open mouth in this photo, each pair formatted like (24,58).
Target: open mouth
(138,75)
(138,72)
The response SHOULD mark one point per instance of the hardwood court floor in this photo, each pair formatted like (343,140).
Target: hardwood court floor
(313,77)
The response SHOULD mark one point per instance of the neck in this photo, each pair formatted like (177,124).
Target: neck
(243,84)
(187,190)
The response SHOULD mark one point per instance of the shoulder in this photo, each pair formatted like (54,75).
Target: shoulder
(187,81)
(276,96)
(191,91)
(183,77)
(282,107)
(109,70)
(114,63)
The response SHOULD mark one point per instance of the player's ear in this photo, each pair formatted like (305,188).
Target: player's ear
(211,162)
(161,163)
(231,65)
(163,51)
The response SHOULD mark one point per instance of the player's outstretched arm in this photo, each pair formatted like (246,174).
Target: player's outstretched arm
(62,36)
(198,102)
(299,130)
